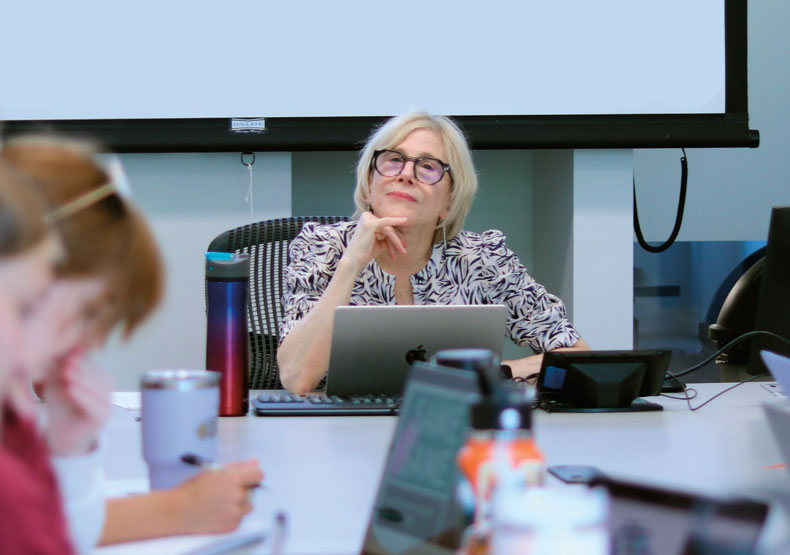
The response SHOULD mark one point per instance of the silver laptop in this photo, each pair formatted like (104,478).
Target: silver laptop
(374,346)
(778,414)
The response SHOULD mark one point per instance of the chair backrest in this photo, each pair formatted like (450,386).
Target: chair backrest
(267,244)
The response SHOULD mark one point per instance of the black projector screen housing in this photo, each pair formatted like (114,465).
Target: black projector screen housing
(320,128)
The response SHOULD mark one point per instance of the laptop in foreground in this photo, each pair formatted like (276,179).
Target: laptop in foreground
(778,414)
(415,511)
(373,348)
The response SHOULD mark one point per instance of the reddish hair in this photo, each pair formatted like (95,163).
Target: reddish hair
(21,214)
(108,239)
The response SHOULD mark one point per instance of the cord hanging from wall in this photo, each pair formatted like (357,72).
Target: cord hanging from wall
(248,160)
(684,174)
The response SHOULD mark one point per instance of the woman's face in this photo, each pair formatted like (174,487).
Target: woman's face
(24,282)
(68,318)
(404,195)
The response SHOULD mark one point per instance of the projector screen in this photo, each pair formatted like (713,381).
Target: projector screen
(158,68)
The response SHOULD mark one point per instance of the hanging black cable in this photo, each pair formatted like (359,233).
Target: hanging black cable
(684,174)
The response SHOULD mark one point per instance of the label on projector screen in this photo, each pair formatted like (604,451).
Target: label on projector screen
(248,125)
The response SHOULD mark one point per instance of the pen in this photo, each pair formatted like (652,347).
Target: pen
(200,461)
(278,534)
(197,460)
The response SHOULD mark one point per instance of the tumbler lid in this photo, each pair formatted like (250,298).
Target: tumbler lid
(183,380)
(227,266)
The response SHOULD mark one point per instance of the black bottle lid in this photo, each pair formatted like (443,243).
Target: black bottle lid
(496,411)
(487,415)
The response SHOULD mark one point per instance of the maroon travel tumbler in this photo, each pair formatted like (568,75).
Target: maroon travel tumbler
(227,338)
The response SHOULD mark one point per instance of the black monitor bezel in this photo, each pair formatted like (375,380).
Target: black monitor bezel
(730,129)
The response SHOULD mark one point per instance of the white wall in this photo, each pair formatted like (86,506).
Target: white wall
(189,199)
(603,261)
(582,234)
(731,191)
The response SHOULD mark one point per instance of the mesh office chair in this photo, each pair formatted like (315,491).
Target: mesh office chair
(267,244)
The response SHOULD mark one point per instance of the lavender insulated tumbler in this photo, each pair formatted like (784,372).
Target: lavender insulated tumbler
(227,338)
(179,409)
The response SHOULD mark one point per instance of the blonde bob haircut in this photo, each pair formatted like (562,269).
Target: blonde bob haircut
(462,171)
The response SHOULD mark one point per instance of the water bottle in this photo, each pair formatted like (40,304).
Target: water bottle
(500,450)
(227,337)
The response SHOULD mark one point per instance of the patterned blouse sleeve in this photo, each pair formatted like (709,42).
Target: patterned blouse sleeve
(314,255)
(535,317)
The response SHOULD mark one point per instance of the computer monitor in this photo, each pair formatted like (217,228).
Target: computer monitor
(601,380)
(759,300)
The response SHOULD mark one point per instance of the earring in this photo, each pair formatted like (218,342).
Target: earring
(444,235)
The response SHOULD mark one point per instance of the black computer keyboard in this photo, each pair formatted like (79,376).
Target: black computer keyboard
(285,404)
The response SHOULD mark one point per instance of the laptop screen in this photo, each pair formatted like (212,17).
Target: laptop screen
(415,509)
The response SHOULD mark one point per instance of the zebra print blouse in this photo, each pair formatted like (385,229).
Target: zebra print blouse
(472,269)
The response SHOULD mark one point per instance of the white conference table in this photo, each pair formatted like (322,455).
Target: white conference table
(323,471)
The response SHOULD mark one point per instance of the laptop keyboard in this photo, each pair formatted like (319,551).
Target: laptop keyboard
(314,404)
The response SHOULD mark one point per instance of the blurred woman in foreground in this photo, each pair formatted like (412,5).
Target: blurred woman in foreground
(28,487)
(110,274)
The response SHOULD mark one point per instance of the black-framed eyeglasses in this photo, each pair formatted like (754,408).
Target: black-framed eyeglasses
(390,163)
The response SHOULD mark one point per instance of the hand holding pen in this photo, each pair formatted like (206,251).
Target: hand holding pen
(216,501)
(280,524)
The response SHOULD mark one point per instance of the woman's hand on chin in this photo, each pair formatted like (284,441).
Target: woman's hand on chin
(373,237)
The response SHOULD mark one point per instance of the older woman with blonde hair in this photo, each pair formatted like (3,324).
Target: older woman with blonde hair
(415,185)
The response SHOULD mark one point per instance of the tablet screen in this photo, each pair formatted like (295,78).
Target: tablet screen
(415,508)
